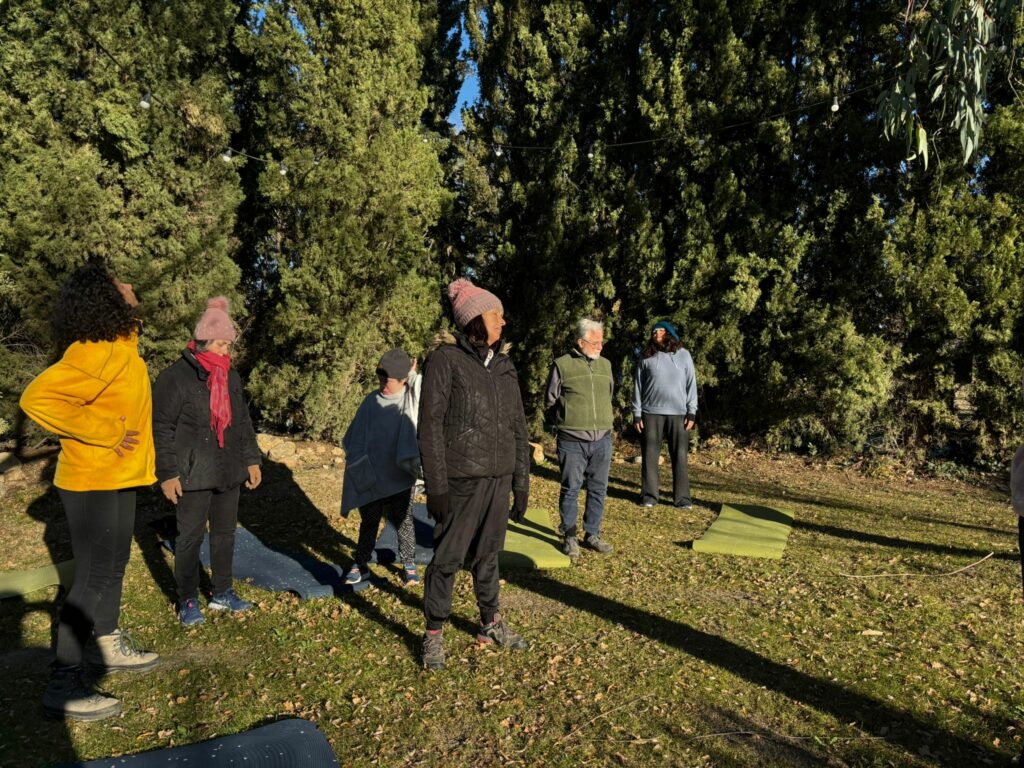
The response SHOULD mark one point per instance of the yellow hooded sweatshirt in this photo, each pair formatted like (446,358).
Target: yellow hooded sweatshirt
(83,399)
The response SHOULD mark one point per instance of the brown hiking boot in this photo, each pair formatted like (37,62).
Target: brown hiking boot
(497,632)
(433,650)
(68,697)
(118,652)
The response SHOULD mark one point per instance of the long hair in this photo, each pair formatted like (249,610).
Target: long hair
(90,308)
(668,345)
(476,331)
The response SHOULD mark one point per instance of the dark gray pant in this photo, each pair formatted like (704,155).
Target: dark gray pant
(101,525)
(194,509)
(398,510)
(474,531)
(656,430)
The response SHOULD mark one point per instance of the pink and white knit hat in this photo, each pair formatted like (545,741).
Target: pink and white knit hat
(215,322)
(469,301)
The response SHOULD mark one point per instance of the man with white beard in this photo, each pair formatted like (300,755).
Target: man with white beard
(579,403)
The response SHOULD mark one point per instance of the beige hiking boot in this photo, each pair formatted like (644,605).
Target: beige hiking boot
(120,651)
(68,697)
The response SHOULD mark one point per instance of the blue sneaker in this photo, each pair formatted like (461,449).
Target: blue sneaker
(189,614)
(228,601)
(410,576)
(357,573)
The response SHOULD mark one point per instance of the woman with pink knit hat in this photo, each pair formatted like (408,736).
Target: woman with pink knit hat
(205,449)
(475,455)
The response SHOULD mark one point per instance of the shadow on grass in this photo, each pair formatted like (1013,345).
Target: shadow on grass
(26,737)
(894,726)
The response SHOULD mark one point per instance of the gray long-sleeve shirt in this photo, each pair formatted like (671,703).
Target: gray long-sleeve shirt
(665,385)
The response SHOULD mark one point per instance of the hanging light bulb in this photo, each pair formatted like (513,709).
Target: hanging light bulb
(497,151)
(590,152)
(283,170)
(835,103)
(226,157)
(146,101)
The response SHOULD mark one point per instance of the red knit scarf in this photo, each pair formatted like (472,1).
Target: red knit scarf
(217,382)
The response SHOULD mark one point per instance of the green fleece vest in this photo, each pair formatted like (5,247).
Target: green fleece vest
(586,400)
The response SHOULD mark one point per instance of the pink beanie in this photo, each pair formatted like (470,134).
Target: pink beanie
(215,322)
(469,301)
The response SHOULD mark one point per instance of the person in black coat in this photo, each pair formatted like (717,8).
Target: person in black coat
(205,450)
(475,453)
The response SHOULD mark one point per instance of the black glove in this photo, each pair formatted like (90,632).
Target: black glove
(437,507)
(519,501)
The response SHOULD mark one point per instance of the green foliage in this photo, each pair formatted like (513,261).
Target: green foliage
(86,173)
(950,47)
(345,268)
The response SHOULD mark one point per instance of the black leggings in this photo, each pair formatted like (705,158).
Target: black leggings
(101,525)
(195,509)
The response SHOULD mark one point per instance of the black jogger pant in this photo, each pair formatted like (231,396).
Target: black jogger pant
(398,510)
(101,525)
(475,533)
(656,429)
(194,509)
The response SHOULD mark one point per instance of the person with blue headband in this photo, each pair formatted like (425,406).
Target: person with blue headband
(665,408)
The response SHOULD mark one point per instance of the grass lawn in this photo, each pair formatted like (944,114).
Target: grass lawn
(654,655)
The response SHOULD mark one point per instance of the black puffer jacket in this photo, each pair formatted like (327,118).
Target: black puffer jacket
(471,420)
(186,444)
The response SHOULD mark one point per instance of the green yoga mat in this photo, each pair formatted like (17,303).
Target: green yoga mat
(15,583)
(533,543)
(748,530)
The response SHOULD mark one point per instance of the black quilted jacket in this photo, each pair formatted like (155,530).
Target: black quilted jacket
(471,420)
(186,445)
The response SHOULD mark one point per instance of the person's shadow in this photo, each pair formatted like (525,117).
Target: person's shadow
(27,737)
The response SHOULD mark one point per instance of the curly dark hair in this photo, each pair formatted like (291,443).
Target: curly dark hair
(668,344)
(90,308)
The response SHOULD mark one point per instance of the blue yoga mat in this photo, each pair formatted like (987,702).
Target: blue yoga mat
(284,744)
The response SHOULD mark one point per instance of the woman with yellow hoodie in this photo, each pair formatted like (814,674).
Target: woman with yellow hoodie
(97,400)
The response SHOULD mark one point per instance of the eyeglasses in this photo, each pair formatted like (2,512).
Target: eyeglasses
(593,343)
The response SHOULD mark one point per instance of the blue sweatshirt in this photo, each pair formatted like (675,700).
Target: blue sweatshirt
(666,385)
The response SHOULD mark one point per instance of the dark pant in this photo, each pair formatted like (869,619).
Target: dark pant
(101,525)
(195,508)
(475,531)
(397,509)
(583,462)
(673,429)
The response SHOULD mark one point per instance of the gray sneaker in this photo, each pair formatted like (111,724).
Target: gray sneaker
(570,547)
(496,632)
(120,651)
(596,543)
(68,697)
(433,650)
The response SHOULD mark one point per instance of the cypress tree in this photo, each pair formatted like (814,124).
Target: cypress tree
(340,264)
(85,172)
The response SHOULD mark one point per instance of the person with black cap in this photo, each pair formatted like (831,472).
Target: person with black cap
(665,407)
(382,464)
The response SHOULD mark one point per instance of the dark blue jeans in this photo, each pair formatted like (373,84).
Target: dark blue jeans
(583,463)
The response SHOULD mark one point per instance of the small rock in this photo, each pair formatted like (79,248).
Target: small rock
(637,459)
(538,453)
(282,450)
(337,452)
(320,449)
(266,442)
(338,460)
